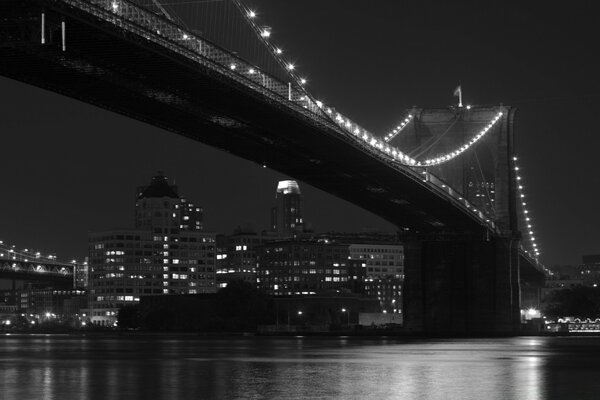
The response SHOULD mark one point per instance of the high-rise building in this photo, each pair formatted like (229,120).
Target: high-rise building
(167,253)
(286,217)
(158,207)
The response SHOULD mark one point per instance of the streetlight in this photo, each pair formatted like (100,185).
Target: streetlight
(347,315)
(299,313)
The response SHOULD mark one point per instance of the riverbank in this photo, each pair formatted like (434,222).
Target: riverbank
(295,334)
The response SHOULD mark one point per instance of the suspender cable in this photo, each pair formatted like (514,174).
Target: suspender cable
(43,28)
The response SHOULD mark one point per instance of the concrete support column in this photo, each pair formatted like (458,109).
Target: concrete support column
(461,286)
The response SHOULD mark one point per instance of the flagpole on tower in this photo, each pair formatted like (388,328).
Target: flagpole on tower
(458,92)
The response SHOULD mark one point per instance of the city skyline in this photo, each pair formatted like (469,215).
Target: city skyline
(542,89)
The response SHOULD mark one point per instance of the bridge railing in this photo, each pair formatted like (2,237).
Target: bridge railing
(142,22)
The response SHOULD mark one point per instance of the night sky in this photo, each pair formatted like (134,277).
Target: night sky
(69,168)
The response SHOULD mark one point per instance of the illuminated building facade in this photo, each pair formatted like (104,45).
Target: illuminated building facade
(381,260)
(286,217)
(167,253)
(159,208)
(302,267)
(62,303)
(236,255)
(383,273)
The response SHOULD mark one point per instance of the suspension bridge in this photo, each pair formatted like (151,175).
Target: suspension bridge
(448,178)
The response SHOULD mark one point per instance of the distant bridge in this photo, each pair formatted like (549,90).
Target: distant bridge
(34,267)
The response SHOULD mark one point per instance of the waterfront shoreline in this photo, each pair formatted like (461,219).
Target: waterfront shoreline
(348,334)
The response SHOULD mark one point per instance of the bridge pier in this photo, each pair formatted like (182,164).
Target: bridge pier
(461,286)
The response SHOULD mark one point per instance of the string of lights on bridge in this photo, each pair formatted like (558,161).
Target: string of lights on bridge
(527,215)
(456,152)
(28,255)
(398,129)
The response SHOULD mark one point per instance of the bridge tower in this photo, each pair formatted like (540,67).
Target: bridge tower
(466,282)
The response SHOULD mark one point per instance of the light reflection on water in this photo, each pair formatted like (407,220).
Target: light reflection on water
(142,367)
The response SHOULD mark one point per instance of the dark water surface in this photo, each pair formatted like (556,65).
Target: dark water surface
(71,367)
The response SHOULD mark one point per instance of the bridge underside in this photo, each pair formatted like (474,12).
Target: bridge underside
(130,75)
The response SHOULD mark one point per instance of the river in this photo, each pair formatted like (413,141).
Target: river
(146,367)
